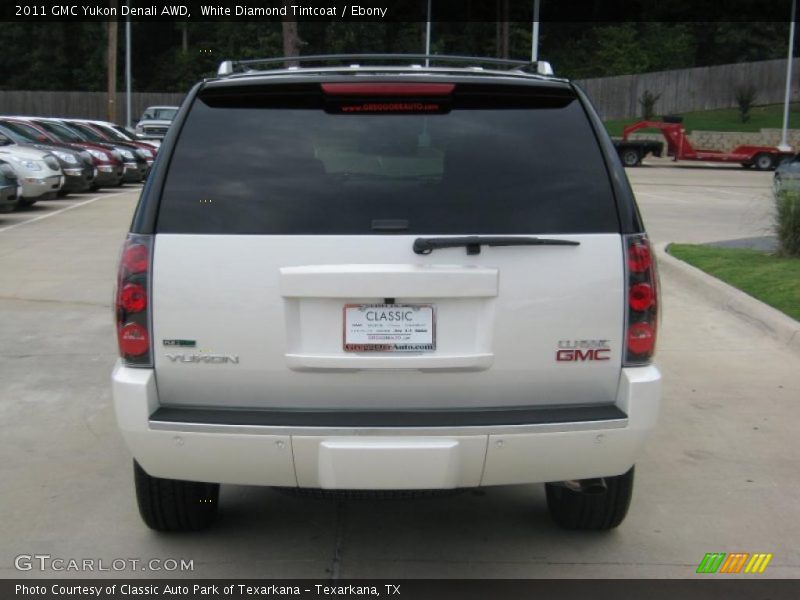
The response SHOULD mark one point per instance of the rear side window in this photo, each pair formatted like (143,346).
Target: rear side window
(250,161)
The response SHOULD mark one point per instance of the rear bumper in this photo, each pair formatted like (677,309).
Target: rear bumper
(241,449)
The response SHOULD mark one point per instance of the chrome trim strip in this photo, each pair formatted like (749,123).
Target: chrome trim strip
(384,431)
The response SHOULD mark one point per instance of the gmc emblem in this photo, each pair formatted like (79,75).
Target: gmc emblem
(583,355)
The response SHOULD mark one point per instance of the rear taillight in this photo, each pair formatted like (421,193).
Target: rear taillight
(642,301)
(132,302)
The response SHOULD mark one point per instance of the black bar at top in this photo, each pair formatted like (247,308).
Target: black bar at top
(595,11)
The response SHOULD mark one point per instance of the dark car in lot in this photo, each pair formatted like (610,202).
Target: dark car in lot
(108,162)
(137,163)
(114,134)
(135,166)
(77,165)
(9,187)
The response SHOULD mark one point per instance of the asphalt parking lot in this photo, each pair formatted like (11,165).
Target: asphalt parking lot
(720,475)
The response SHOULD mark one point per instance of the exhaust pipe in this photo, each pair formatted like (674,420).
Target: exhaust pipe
(587,486)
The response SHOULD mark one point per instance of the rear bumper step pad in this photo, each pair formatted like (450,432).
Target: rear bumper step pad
(389,418)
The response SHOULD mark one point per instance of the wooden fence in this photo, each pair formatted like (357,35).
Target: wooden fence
(683,90)
(86,105)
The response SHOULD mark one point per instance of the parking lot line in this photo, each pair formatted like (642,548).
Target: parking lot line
(66,208)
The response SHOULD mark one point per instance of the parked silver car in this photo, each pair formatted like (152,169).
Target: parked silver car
(787,175)
(38,171)
(76,165)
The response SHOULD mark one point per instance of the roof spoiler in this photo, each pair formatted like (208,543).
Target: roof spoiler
(229,67)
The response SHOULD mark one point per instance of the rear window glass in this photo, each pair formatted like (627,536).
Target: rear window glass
(482,162)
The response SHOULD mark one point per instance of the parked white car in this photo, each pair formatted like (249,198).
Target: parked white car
(119,133)
(38,172)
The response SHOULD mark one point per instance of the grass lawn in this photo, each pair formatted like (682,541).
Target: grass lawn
(725,119)
(773,280)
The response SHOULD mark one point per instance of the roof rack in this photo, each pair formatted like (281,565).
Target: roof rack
(229,67)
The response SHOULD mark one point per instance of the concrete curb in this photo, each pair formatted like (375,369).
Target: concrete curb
(770,320)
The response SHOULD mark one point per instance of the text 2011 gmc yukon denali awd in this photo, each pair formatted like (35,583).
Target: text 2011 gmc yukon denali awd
(381,278)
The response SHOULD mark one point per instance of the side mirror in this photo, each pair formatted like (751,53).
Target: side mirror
(4,141)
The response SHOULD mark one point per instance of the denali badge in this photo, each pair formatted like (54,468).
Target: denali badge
(213,359)
(582,350)
(184,343)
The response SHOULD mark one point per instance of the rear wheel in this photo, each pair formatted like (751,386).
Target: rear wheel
(764,162)
(630,157)
(172,505)
(599,507)
(25,203)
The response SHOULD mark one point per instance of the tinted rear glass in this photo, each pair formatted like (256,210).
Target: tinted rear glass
(253,162)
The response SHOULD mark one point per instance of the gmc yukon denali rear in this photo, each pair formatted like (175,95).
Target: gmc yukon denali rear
(386,277)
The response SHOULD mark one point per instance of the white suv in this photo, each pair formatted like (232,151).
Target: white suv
(386,278)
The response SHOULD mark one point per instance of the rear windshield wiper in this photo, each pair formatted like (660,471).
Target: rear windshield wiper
(473,243)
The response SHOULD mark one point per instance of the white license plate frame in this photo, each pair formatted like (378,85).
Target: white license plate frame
(415,334)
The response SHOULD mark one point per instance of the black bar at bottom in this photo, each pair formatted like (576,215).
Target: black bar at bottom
(705,588)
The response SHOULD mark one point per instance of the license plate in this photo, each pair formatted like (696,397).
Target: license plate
(389,328)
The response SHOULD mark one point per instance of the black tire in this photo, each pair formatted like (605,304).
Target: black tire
(630,157)
(172,505)
(764,162)
(572,509)
(25,203)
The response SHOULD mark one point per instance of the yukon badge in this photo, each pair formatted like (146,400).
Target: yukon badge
(210,359)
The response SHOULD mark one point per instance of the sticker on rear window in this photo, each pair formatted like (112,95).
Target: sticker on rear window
(401,107)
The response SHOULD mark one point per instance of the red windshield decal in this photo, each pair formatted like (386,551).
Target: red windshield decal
(391,107)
